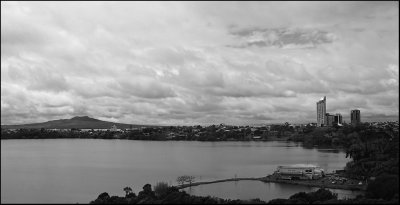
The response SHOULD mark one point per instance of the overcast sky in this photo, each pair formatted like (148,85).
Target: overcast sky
(198,62)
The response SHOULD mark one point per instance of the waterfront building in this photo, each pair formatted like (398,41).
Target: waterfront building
(355,117)
(321,112)
(300,171)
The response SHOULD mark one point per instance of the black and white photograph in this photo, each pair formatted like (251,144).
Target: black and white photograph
(200,102)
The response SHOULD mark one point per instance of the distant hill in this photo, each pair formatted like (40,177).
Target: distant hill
(84,122)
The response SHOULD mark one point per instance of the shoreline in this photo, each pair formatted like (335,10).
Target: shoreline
(316,183)
(268,179)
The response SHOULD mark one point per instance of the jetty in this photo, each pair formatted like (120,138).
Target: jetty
(216,181)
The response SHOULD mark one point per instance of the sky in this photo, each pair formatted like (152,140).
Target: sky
(190,63)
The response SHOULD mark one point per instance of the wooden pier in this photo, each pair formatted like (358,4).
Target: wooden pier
(216,181)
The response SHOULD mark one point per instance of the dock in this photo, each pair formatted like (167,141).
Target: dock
(216,181)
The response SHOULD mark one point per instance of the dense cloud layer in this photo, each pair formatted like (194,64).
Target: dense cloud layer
(198,62)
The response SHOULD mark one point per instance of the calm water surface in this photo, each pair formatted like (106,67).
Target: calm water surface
(78,170)
(255,189)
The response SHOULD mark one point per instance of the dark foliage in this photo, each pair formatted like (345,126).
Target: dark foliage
(320,195)
(173,196)
(384,187)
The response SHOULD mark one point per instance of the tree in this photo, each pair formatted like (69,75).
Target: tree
(190,179)
(147,192)
(101,199)
(185,178)
(181,180)
(127,190)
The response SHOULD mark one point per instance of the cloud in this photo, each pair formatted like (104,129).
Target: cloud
(198,62)
(282,37)
(147,88)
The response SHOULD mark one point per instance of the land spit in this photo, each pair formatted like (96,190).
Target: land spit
(322,183)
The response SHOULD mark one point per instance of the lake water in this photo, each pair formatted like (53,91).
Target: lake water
(257,189)
(78,170)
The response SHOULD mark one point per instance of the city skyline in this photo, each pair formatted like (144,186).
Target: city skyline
(322,117)
(187,63)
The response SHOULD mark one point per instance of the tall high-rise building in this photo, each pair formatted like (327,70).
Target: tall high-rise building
(321,112)
(355,117)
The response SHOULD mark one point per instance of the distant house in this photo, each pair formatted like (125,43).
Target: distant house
(98,130)
(171,135)
(132,129)
(113,128)
(272,133)
(257,138)
(11,130)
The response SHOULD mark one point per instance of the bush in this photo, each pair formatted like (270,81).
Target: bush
(308,198)
(300,195)
(101,199)
(322,195)
(281,201)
